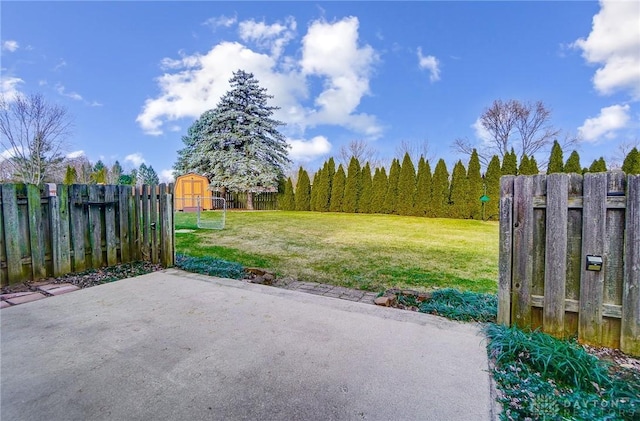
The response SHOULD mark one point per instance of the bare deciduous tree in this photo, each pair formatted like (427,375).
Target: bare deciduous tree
(415,150)
(523,126)
(362,151)
(32,136)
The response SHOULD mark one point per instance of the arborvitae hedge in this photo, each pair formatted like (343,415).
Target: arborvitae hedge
(422,205)
(533,164)
(288,202)
(440,189)
(573,163)
(303,191)
(475,187)
(337,190)
(364,204)
(406,187)
(555,160)
(598,165)
(510,163)
(631,164)
(391,198)
(314,191)
(459,193)
(352,187)
(492,181)
(379,186)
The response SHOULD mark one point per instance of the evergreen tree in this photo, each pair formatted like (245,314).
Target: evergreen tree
(114,173)
(475,187)
(555,160)
(406,187)
(492,182)
(510,163)
(364,204)
(237,145)
(440,189)
(380,185)
(631,164)
(598,165)
(288,202)
(352,189)
(314,191)
(391,198)
(145,175)
(573,164)
(337,190)
(533,164)
(70,175)
(422,205)
(99,176)
(525,166)
(459,193)
(98,166)
(323,193)
(303,191)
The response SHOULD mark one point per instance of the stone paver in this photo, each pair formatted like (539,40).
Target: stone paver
(4,304)
(58,289)
(23,297)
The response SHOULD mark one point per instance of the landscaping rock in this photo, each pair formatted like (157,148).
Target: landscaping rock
(256,271)
(424,296)
(269,277)
(382,301)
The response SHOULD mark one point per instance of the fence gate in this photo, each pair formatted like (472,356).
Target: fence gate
(52,230)
(570,256)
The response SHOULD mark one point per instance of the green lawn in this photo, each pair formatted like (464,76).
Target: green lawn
(371,252)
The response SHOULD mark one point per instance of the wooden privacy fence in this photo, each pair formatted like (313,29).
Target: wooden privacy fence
(53,230)
(549,225)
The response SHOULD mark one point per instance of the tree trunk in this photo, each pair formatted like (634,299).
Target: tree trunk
(249,200)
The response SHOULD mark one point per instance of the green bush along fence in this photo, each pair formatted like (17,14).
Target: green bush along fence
(549,225)
(52,230)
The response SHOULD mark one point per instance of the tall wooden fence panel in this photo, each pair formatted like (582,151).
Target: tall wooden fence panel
(52,230)
(554,229)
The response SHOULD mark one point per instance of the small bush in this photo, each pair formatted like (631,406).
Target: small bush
(210,266)
(541,377)
(463,306)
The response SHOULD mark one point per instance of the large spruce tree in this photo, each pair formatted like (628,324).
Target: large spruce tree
(380,185)
(440,189)
(422,205)
(406,186)
(337,190)
(474,186)
(352,187)
(237,145)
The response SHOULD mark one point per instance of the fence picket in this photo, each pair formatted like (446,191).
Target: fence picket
(96,198)
(36,236)
(555,254)
(153,222)
(124,201)
(505,251)
(11,232)
(110,225)
(630,323)
(522,272)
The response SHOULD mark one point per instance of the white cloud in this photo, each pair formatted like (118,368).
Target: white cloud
(75,154)
(429,63)
(194,83)
(308,150)
(220,21)
(273,37)
(62,63)
(605,125)
(166,176)
(614,44)
(10,45)
(481,133)
(135,158)
(9,86)
(73,95)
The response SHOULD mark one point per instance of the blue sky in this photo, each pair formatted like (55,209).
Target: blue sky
(135,75)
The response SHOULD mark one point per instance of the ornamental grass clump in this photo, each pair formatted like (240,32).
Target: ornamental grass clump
(541,377)
(463,306)
(210,266)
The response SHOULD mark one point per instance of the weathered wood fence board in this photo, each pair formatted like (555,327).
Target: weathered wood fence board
(54,230)
(548,227)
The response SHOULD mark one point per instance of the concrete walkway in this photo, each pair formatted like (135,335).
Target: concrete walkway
(172,345)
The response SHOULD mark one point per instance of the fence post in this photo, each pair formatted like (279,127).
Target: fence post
(630,330)
(505,251)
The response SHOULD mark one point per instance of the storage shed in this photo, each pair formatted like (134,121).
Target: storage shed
(188,189)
